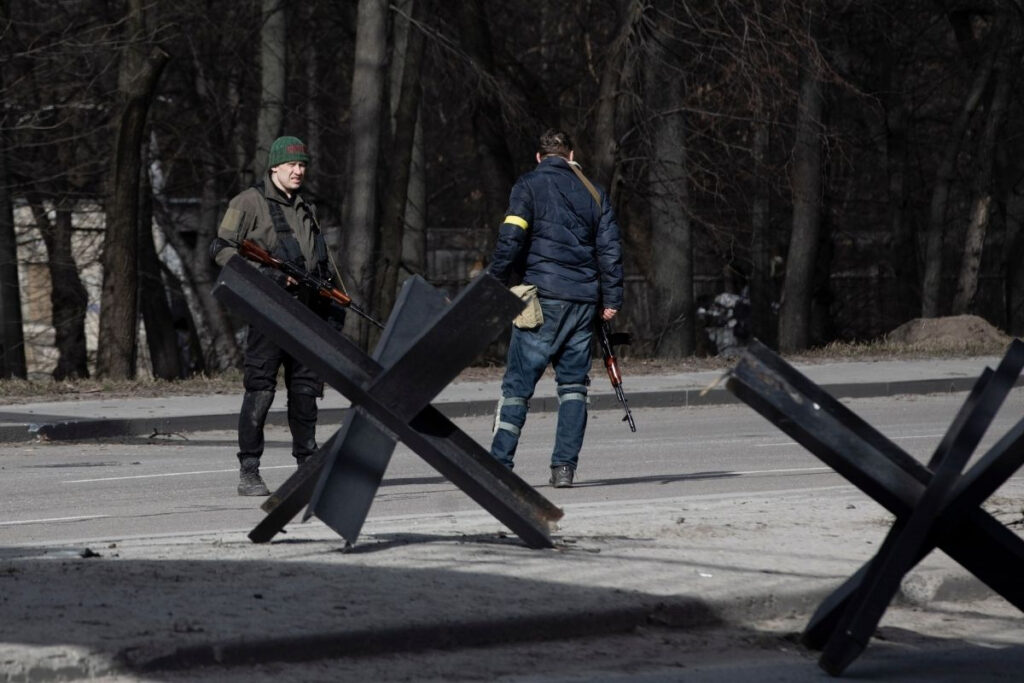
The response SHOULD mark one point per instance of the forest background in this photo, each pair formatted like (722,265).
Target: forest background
(852,165)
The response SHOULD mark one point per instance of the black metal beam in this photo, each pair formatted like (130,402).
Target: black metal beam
(935,506)
(389,396)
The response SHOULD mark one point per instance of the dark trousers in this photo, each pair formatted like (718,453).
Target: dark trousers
(263,360)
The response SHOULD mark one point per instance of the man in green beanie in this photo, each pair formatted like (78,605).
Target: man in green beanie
(273,214)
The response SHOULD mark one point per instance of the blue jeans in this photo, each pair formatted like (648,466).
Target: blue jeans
(564,341)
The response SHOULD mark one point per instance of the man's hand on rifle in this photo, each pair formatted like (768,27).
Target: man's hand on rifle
(608,313)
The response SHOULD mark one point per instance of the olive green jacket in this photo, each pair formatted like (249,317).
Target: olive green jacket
(248,217)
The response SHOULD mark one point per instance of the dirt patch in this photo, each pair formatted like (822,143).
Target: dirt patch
(958,332)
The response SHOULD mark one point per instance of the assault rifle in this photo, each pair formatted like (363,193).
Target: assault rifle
(607,338)
(321,286)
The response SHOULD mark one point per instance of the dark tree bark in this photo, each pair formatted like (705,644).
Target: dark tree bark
(795,313)
(931,283)
(68,298)
(414,234)
(606,124)
(493,159)
(361,227)
(671,229)
(762,284)
(118,308)
(161,337)
(273,49)
(12,340)
(397,193)
(977,228)
(1013,256)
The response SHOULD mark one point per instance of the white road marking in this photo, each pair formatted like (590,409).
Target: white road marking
(795,470)
(197,472)
(891,438)
(169,474)
(53,519)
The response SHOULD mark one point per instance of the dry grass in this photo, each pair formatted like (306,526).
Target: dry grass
(22,391)
(889,350)
(27,391)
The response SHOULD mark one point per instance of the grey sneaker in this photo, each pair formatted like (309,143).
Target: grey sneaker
(561,476)
(251,484)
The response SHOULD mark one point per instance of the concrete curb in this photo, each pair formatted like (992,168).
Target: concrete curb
(59,428)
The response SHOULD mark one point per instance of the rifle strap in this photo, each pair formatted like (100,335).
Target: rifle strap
(587,184)
(288,245)
(590,188)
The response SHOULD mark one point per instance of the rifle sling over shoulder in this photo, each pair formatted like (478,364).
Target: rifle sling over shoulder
(587,184)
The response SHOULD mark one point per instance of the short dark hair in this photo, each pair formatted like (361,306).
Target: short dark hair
(554,141)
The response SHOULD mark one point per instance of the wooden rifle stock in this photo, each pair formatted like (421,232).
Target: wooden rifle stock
(611,364)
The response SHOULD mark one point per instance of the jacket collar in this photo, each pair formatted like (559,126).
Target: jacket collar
(272,191)
(555,161)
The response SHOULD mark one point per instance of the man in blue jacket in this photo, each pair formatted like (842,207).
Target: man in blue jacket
(560,234)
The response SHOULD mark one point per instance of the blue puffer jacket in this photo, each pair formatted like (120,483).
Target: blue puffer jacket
(572,251)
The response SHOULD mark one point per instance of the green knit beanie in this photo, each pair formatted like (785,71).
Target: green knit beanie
(285,149)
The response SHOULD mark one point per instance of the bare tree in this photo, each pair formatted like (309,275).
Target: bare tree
(493,159)
(795,313)
(762,285)
(360,222)
(615,76)
(154,304)
(946,174)
(668,183)
(118,306)
(12,340)
(273,43)
(68,298)
(982,186)
(400,163)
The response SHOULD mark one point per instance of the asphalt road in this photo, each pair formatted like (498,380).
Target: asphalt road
(74,492)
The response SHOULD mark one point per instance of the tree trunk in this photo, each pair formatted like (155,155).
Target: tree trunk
(494,161)
(605,142)
(118,308)
(904,255)
(212,323)
(970,264)
(671,230)
(1014,252)
(367,113)
(12,341)
(414,236)
(931,282)
(794,316)
(68,298)
(762,284)
(400,160)
(161,337)
(273,79)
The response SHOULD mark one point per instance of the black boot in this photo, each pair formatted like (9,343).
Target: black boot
(250,483)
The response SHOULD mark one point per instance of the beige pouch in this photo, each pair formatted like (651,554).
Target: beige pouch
(532,316)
